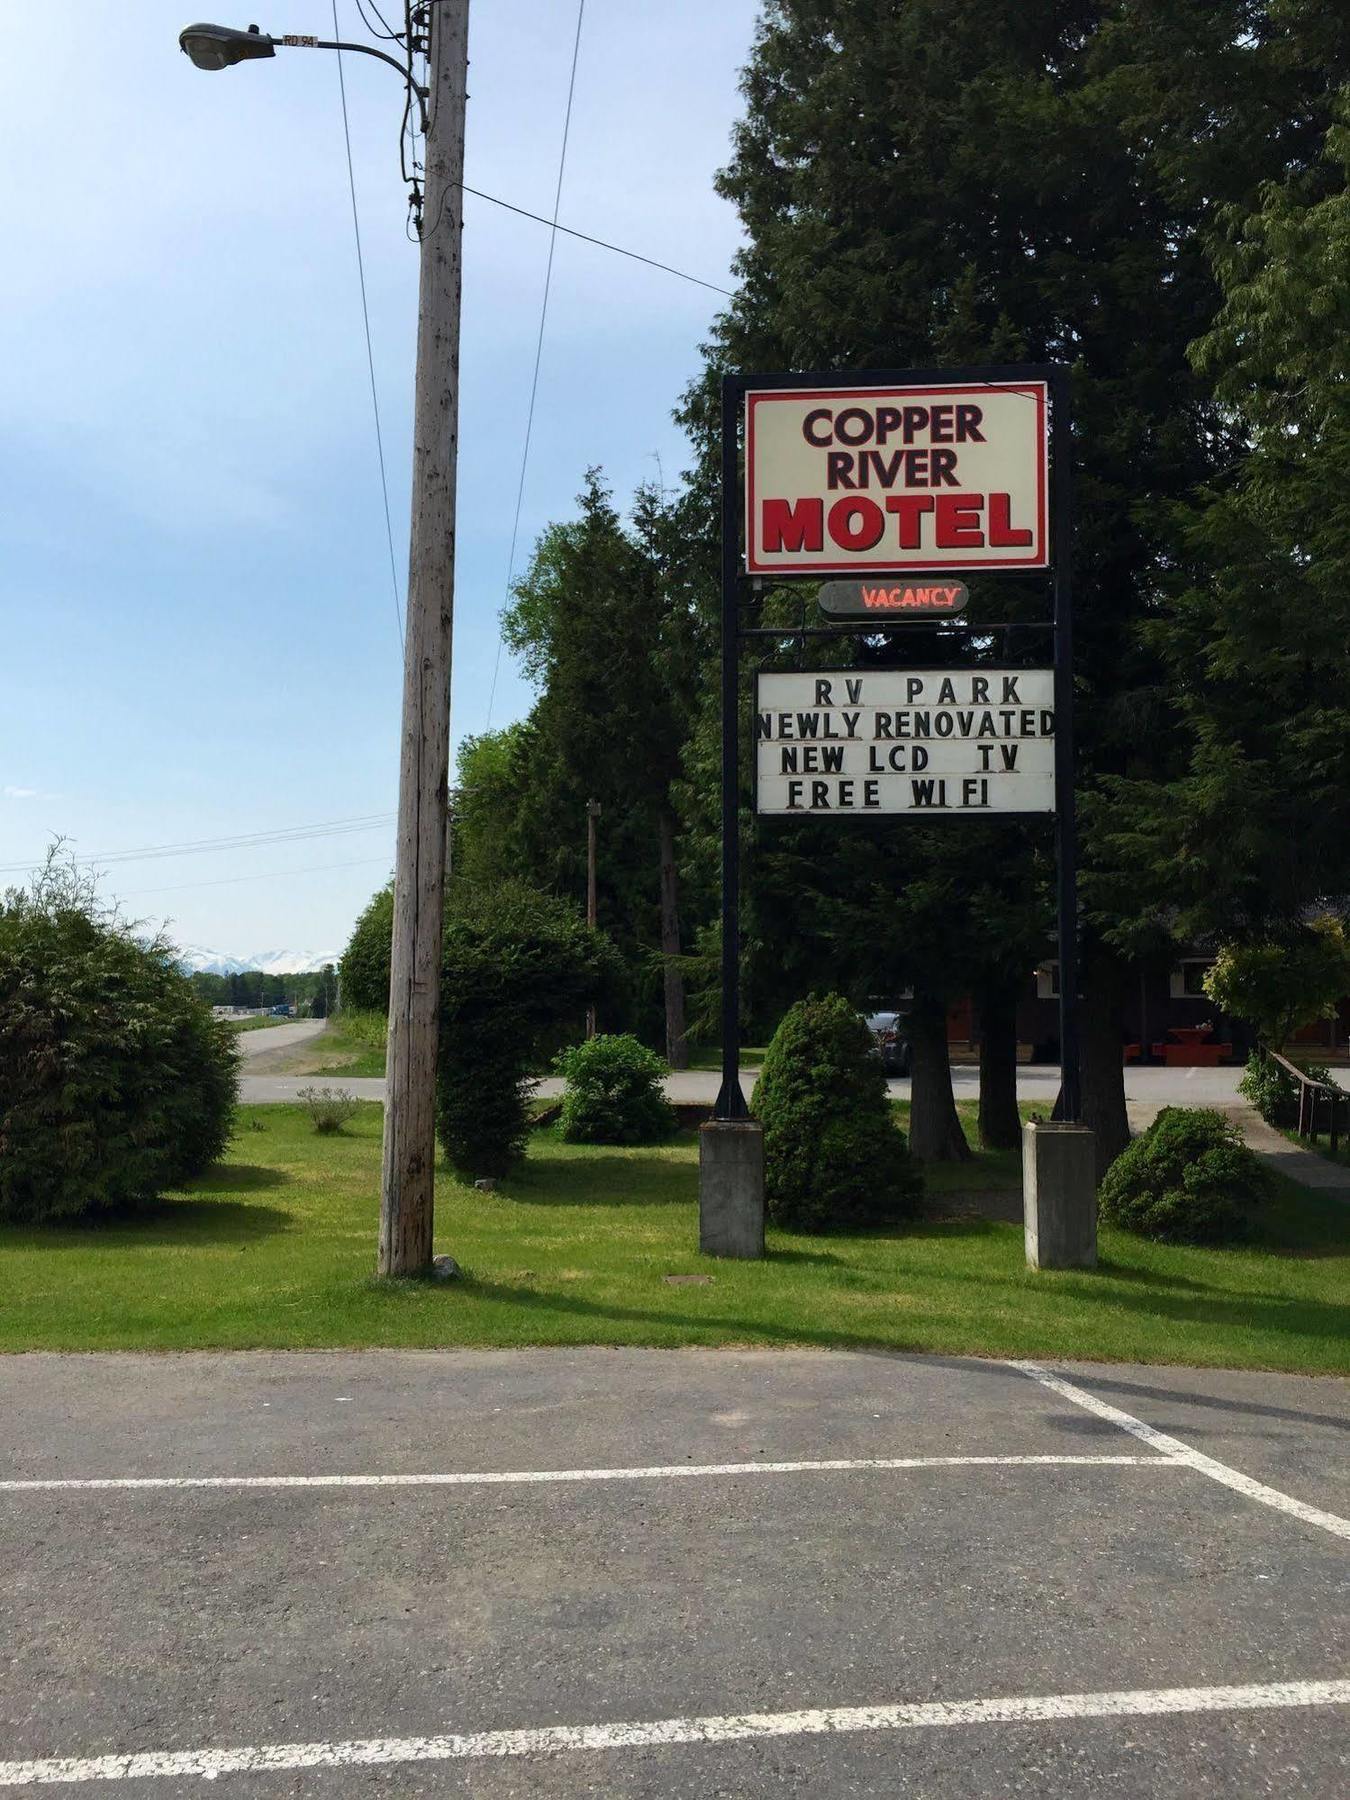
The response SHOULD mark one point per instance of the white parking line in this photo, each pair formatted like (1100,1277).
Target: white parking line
(728,1729)
(530,1477)
(1184,1455)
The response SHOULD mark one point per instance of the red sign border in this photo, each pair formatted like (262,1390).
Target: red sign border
(1038,390)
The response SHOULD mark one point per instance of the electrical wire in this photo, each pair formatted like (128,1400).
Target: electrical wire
(370,352)
(289,834)
(585,237)
(539,345)
(412,170)
(363,862)
(393,36)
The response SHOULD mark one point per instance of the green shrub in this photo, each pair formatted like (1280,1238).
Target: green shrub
(832,1153)
(518,969)
(1274,1093)
(613,1093)
(115,1081)
(367,1030)
(1188,1179)
(329,1108)
(364,969)
(1269,1089)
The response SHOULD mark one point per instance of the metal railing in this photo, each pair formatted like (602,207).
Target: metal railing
(1312,1095)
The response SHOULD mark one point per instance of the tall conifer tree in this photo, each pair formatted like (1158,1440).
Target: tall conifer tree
(959,181)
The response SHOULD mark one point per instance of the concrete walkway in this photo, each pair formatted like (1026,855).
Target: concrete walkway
(1304,1166)
(1146,1090)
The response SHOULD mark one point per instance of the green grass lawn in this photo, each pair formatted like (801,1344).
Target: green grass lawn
(276,1248)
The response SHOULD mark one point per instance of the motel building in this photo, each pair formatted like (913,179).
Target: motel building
(1168,1021)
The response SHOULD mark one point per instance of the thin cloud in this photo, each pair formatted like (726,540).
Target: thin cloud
(19,793)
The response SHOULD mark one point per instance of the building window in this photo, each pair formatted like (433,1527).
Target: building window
(1188,978)
(1047,981)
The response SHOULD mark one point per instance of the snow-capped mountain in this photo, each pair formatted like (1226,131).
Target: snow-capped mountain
(197,959)
(290,962)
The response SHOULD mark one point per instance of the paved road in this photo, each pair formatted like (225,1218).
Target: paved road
(649,1573)
(283,1036)
(1147,1088)
(257,1090)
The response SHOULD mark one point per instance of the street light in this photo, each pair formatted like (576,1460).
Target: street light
(221,46)
(407,1193)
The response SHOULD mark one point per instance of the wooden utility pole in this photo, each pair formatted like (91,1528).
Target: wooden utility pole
(592,814)
(407,1192)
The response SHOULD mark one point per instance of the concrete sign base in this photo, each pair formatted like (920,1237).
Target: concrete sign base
(731,1187)
(1059,1195)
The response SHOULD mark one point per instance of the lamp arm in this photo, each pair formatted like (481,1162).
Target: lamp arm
(296,42)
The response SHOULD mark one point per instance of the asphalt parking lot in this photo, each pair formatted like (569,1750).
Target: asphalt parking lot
(670,1573)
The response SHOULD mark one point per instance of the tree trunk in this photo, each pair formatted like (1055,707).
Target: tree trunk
(1000,1121)
(935,1132)
(1101,1037)
(677,1046)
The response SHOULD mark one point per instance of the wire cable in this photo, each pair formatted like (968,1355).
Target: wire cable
(362,862)
(586,238)
(252,840)
(394,37)
(370,352)
(539,346)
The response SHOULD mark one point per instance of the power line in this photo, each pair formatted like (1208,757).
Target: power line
(241,841)
(362,862)
(393,36)
(370,353)
(586,238)
(251,840)
(539,345)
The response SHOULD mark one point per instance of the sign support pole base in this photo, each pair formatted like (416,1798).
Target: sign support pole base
(731,1188)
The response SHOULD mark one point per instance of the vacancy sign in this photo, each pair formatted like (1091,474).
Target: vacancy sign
(928,743)
(952,477)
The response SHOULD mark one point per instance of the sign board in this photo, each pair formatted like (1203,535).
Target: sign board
(926,743)
(946,476)
(915,599)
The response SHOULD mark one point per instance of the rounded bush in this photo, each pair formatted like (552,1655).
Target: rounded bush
(1274,1093)
(115,1080)
(1269,1089)
(1188,1179)
(613,1093)
(833,1155)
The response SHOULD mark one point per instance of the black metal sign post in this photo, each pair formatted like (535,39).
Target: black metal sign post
(730,1100)
(1066,811)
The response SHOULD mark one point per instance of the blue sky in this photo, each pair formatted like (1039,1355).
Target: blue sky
(200,637)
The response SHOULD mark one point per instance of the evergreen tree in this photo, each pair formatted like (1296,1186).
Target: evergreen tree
(492,772)
(1255,829)
(598,632)
(961,181)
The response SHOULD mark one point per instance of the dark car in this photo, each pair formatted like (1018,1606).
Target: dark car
(890,1033)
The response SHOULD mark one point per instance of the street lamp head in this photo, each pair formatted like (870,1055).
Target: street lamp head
(221,46)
